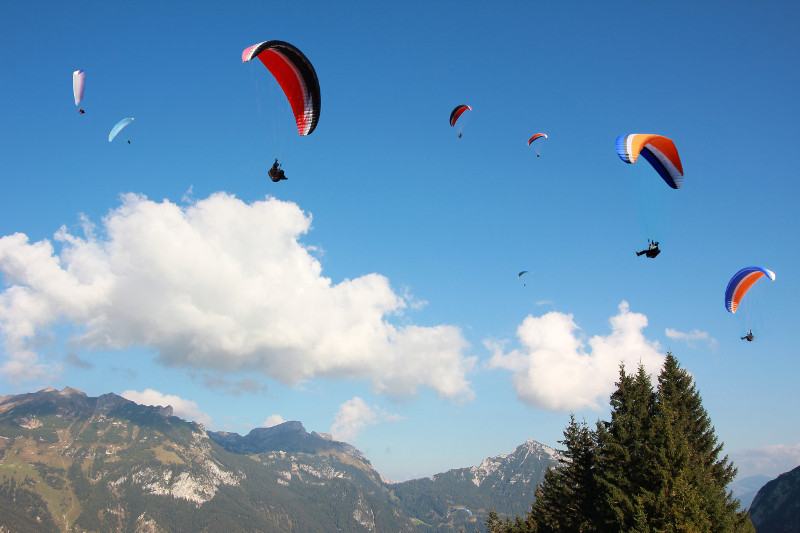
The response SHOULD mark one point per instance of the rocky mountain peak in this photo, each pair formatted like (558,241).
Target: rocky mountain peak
(69,391)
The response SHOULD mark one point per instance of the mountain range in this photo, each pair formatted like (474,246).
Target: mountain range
(70,462)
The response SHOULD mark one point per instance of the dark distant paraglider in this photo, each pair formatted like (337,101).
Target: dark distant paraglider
(296,76)
(276,172)
(651,251)
(521,274)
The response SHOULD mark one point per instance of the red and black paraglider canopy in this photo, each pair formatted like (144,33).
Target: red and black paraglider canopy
(296,76)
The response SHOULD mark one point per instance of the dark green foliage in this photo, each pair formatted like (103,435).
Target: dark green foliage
(21,509)
(625,454)
(52,476)
(655,466)
(567,499)
(493,523)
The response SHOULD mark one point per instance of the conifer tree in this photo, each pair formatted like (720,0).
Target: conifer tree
(625,452)
(493,522)
(692,479)
(654,467)
(567,499)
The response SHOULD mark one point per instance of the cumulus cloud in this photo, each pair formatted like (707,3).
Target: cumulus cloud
(770,460)
(185,409)
(692,336)
(354,415)
(273,420)
(218,285)
(552,368)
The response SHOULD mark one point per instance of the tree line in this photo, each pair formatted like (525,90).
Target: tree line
(655,466)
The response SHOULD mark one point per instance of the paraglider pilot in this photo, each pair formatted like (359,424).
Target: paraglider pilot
(81,111)
(652,250)
(276,172)
(749,337)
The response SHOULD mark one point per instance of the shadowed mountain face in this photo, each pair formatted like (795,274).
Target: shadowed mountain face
(506,483)
(776,507)
(289,437)
(69,462)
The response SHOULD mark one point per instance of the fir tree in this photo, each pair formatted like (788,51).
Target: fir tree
(692,479)
(654,467)
(567,499)
(493,522)
(625,453)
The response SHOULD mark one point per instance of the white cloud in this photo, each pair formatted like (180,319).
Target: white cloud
(692,336)
(553,370)
(219,285)
(768,460)
(185,409)
(273,420)
(354,415)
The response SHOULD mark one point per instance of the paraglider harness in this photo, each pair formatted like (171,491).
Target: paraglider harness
(652,250)
(276,172)
(749,337)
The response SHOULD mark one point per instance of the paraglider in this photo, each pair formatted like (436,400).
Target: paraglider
(119,126)
(296,76)
(459,509)
(456,114)
(651,251)
(78,84)
(659,151)
(739,285)
(741,282)
(521,274)
(276,172)
(537,136)
(662,154)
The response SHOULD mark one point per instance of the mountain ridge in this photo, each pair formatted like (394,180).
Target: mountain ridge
(70,462)
(106,463)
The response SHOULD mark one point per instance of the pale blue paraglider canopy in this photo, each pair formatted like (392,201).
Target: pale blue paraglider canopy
(118,127)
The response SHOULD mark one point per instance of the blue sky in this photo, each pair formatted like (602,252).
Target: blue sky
(374,295)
